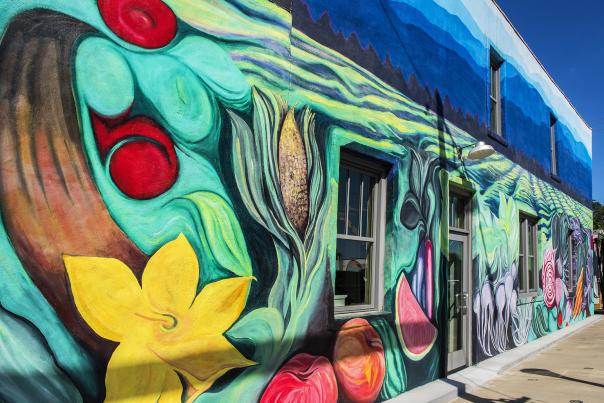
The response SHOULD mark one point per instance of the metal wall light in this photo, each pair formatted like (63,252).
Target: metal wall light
(479,151)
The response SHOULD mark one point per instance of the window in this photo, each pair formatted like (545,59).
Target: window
(571,280)
(527,262)
(495,93)
(552,142)
(458,213)
(361,213)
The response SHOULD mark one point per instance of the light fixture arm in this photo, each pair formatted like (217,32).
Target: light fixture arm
(460,150)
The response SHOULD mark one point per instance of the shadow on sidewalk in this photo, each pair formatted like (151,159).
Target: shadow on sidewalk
(461,390)
(547,372)
(477,399)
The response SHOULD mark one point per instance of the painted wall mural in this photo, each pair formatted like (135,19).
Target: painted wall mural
(169,175)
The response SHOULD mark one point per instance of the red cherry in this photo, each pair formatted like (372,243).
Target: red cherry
(141,170)
(146,23)
(145,165)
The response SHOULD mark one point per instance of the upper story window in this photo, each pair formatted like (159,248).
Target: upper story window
(527,262)
(360,234)
(552,141)
(495,94)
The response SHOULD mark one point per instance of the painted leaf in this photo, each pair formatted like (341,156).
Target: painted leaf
(222,233)
(395,378)
(28,370)
(216,69)
(179,96)
(263,327)
(104,77)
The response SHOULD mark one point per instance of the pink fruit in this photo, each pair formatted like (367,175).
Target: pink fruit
(416,333)
(303,379)
(359,361)
(548,278)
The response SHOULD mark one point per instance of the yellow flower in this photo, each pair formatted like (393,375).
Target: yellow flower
(163,328)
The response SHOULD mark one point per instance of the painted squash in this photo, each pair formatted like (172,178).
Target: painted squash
(359,361)
(304,378)
(416,333)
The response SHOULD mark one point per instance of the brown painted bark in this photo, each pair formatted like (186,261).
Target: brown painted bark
(49,202)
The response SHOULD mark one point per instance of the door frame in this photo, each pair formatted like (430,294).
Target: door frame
(467,194)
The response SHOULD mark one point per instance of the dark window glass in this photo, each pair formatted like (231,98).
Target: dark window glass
(457,211)
(356,238)
(527,261)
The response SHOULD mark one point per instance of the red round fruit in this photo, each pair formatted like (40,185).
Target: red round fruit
(303,379)
(141,169)
(145,23)
(359,361)
(142,158)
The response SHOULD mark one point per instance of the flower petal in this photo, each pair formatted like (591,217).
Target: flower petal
(171,276)
(216,308)
(106,294)
(202,360)
(172,390)
(134,374)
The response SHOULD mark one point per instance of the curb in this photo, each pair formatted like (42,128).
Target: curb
(446,389)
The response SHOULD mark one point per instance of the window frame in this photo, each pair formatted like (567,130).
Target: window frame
(466,197)
(526,221)
(494,91)
(572,284)
(377,169)
(553,123)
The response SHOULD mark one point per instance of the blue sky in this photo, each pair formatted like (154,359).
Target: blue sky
(568,38)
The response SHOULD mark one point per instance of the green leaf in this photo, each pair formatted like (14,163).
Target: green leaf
(395,378)
(222,234)
(263,327)
(29,371)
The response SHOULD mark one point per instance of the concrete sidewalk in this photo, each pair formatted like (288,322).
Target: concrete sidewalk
(571,370)
(476,381)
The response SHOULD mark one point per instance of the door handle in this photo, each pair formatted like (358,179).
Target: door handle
(462,302)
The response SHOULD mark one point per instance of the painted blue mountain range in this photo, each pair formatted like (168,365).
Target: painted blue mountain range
(439,50)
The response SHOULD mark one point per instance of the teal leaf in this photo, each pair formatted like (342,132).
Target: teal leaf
(28,372)
(222,235)
(215,68)
(395,379)
(104,77)
(263,328)
(178,95)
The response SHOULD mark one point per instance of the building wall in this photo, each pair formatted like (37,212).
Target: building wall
(169,189)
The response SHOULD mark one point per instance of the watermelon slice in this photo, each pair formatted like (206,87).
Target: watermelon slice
(415,331)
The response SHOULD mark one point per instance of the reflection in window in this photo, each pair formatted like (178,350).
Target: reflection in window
(358,195)
(457,211)
(527,263)
(495,93)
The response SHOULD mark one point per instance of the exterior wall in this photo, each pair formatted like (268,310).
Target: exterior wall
(168,194)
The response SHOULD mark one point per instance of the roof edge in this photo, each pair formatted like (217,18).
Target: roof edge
(509,21)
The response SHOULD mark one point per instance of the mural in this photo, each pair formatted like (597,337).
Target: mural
(169,175)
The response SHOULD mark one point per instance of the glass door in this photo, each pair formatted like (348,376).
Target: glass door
(457,302)
(458,282)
